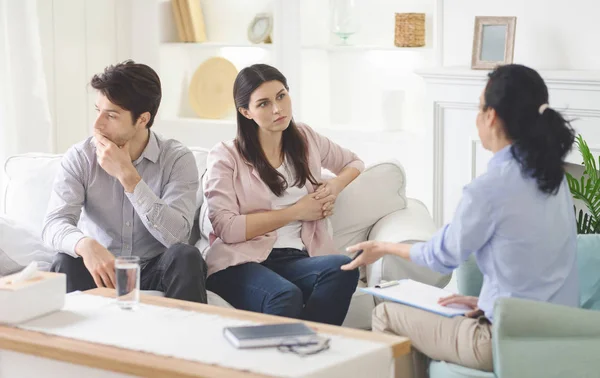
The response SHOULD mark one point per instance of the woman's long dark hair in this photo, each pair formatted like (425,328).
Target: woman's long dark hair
(294,147)
(540,142)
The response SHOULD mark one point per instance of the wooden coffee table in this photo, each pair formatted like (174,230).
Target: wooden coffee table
(73,358)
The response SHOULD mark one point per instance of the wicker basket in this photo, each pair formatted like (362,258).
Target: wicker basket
(410,30)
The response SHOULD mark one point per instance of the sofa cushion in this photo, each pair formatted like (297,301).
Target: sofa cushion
(200,154)
(19,246)
(29,184)
(377,192)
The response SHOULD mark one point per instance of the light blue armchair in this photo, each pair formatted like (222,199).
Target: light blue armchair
(534,339)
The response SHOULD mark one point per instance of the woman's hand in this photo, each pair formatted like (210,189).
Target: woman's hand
(329,188)
(470,302)
(309,208)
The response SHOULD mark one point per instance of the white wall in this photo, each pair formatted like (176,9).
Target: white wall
(79,38)
(366,89)
(550,34)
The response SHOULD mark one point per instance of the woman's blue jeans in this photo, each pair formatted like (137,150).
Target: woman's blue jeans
(290,283)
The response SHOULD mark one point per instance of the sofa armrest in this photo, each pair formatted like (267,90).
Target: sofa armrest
(537,339)
(409,225)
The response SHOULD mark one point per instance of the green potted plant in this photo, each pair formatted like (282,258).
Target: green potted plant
(587,190)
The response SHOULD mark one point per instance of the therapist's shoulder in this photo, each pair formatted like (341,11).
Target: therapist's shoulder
(485,187)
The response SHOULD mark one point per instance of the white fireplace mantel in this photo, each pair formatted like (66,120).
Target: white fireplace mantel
(454,153)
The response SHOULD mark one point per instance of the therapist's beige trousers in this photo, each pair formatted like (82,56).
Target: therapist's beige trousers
(459,340)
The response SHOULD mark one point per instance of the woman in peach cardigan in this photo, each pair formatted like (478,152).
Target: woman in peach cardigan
(271,251)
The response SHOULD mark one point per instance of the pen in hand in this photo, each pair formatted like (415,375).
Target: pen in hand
(353,264)
(358,253)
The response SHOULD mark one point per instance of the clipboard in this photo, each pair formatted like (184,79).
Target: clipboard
(419,295)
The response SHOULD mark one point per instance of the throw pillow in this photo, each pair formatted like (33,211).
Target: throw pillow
(377,192)
(19,246)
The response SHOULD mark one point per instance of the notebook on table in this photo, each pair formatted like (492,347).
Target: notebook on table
(268,335)
(419,295)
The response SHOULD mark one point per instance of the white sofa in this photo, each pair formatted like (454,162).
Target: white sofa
(373,207)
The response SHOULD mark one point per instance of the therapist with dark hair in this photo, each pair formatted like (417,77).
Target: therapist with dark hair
(517,219)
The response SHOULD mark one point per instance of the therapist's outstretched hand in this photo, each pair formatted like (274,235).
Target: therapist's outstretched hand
(470,302)
(371,252)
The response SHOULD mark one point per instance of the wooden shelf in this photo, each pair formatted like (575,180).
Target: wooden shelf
(360,48)
(216,45)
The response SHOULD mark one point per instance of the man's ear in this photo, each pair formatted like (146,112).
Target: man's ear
(245,112)
(143,119)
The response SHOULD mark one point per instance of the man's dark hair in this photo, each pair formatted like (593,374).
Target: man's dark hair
(132,86)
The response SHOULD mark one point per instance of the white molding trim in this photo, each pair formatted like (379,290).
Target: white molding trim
(568,80)
(594,149)
(581,113)
(588,113)
(438,153)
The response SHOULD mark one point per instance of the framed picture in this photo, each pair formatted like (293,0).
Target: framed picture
(493,42)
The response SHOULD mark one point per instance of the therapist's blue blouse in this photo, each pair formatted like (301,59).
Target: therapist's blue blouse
(524,240)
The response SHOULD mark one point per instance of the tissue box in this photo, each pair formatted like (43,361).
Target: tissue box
(39,295)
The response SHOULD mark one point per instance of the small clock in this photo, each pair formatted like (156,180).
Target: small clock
(259,30)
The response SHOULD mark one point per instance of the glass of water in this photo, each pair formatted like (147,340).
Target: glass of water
(127,271)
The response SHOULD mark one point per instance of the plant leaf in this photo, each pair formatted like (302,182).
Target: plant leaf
(588,159)
(587,189)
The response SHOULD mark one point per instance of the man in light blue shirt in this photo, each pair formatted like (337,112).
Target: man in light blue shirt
(517,219)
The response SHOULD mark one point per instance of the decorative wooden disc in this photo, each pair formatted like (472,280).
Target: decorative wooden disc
(211,88)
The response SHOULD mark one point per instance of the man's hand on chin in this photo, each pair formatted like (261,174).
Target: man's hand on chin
(116,161)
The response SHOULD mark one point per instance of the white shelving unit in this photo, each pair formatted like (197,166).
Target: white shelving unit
(357,88)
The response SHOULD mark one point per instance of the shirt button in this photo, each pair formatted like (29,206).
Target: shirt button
(127,224)
(126,246)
